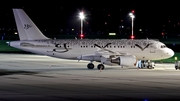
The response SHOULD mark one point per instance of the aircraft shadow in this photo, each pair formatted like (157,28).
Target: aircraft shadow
(4,72)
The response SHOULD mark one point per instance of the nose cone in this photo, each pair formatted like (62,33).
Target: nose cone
(170,53)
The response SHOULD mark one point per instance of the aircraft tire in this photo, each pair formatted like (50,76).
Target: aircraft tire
(100,66)
(90,66)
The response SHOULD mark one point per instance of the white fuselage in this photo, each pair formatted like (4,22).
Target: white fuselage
(72,48)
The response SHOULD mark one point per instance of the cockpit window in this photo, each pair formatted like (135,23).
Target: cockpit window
(163,46)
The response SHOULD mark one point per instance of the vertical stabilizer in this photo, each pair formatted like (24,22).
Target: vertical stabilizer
(27,30)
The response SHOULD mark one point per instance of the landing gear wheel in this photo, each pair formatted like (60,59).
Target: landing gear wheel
(176,67)
(100,66)
(90,66)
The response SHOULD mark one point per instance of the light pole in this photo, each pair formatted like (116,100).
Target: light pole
(132,17)
(81,16)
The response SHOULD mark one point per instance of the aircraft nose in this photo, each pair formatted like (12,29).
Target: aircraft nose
(170,52)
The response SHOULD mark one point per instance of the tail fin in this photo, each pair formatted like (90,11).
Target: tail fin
(26,28)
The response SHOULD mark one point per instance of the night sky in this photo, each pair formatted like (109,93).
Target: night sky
(150,16)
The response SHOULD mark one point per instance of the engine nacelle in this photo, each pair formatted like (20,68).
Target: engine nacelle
(125,60)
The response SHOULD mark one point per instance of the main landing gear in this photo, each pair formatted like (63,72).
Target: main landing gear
(91,66)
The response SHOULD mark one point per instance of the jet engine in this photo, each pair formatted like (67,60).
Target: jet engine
(125,60)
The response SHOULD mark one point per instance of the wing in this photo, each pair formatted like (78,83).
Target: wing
(110,57)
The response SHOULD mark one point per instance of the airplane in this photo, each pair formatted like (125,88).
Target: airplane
(113,52)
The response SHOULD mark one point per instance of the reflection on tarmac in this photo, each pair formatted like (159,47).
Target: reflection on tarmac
(42,78)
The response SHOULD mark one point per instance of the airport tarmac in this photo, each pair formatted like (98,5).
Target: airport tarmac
(29,77)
